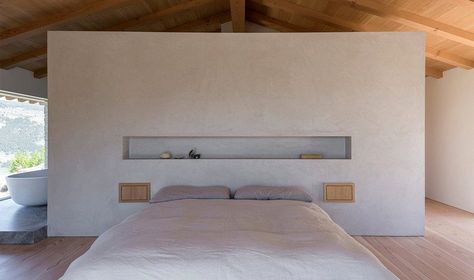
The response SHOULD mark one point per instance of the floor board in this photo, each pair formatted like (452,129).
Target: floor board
(45,260)
(445,252)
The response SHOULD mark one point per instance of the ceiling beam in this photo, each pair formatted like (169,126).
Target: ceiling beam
(256,7)
(37,54)
(444,57)
(237,11)
(24,58)
(313,14)
(212,23)
(40,73)
(433,72)
(157,15)
(413,20)
(449,58)
(275,24)
(43,24)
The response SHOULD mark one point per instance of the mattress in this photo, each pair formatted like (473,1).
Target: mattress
(228,239)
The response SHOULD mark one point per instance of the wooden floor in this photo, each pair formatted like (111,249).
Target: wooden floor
(47,259)
(446,251)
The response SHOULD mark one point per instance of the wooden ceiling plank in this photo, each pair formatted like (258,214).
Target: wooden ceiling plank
(449,58)
(237,11)
(40,73)
(413,20)
(41,53)
(207,23)
(43,24)
(433,72)
(152,17)
(305,11)
(273,23)
(26,57)
(146,5)
(310,13)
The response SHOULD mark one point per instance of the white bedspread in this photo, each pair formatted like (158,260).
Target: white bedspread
(227,239)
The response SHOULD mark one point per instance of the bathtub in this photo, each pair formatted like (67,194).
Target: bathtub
(29,188)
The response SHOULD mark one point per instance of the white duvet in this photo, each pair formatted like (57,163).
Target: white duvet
(227,239)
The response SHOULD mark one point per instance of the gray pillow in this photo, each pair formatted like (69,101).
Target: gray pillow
(272,193)
(191,192)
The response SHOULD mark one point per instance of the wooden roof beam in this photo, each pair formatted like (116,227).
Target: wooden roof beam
(26,57)
(448,58)
(152,17)
(40,73)
(255,16)
(210,23)
(43,24)
(310,13)
(215,20)
(444,57)
(273,23)
(433,72)
(41,52)
(413,20)
(237,11)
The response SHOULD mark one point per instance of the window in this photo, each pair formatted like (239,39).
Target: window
(23,135)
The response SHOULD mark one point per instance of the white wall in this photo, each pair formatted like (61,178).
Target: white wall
(104,86)
(19,80)
(450,138)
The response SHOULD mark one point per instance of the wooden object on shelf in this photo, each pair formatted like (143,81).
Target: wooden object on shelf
(311,156)
(134,192)
(339,192)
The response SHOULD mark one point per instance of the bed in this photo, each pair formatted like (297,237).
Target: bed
(227,239)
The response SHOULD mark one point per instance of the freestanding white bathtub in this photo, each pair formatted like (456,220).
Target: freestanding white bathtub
(29,188)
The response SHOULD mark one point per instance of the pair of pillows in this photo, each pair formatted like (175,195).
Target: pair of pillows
(221,192)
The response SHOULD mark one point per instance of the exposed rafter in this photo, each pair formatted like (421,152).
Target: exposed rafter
(310,13)
(27,47)
(40,53)
(212,23)
(450,59)
(413,20)
(444,57)
(273,23)
(237,11)
(157,15)
(267,19)
(26,57)
(43,24)
(40,73)
(433,72)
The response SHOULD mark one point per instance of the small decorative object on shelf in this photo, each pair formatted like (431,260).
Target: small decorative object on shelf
(193,154)
(179,156)
(311,156)
(165,155)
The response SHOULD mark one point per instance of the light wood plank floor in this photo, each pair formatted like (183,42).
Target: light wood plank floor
(46,260)
(446,251)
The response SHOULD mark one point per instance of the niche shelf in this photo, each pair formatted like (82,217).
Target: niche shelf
(223,147)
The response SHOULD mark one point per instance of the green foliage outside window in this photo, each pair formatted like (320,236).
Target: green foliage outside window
(23,160)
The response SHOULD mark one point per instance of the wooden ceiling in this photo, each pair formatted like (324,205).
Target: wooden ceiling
(448,24)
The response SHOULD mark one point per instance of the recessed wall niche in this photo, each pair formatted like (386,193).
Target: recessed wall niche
(223,147)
